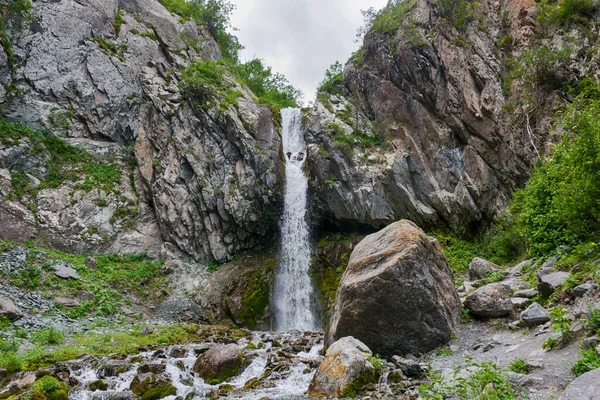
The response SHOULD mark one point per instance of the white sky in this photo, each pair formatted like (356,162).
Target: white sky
(300,38)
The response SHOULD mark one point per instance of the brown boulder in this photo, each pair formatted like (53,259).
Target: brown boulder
(397,294)
(219,363)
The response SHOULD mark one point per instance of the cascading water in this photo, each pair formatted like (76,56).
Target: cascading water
(293,296)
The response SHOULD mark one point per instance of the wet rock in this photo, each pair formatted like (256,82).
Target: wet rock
(10,309)
(490,301)
(424,309)
(587,387)
(410,368)
(479,268)
(345,369)
(150,386)
(98,385)
(178,352)
(581,290)
(113,368)
(535,315)
(527,293)
(22,383)
(153,367)
(550,280)
(219,363)
(64,271)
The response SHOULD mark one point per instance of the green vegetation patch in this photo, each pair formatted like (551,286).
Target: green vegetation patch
(64,162)
(565,12)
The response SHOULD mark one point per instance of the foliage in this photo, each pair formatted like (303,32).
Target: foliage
(333,82)
(459,253)
(493,276)
(589,361)
(592,322)
(48,336)
(270,87)
(444,351)
(459,13)
(560,205)
(519,366)
(485,382)
(565,12)
(119,21)
(388,19)
(561,328)
(377,362)
(215,15)
(502,243)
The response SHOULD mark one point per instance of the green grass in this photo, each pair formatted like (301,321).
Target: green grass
(121,340)
(64,162)
(589,361)
(116,279)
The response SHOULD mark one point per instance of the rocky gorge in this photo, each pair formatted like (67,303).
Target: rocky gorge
(142,178)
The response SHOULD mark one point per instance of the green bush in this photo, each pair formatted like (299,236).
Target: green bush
(592,322)
(560,204)
(519,366)
(48,336)
(215,15)
(333,82)
(564,12)
(458,13)
(388,19)
(589,361)
(561,328)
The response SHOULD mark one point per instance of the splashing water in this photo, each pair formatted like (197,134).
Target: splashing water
(293,296)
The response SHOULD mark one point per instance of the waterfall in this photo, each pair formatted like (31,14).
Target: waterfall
(293,297)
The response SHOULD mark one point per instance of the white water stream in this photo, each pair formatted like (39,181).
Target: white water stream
(293,296)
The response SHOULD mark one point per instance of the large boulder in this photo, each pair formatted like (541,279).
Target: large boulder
(219,363)
(479,268)
(586,387)
(345,369)
(490,301)
(397,294)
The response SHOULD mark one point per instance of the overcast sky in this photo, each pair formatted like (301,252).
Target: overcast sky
(300,38)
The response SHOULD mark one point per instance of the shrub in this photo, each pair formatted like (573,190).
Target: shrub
(377,362)
(388,19)
(592,323)
(565,12)
(561,328)
(333,82)
(560,204)
(48,336)
(519,366)
(589,361)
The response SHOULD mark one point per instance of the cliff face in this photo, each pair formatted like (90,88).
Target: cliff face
(433,95)
(104,75)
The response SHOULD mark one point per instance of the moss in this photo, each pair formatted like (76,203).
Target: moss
(256,294)
(368,376)
(159,393)
(98,385)
(51,388)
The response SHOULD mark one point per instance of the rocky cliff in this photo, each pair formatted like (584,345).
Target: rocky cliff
(427,125)
(200,179)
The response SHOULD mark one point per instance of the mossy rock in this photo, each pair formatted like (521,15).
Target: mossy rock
(149,386)
(219,364)
(28,395)
(98,385)
(51,388)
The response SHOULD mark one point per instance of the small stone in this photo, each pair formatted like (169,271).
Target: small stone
(91,262)
(517,270)
(10,309)
(410,368)
(590,342)
(550,280)
(65,272)
(549,263)
(66,302)
(581,290)
(519,302)
(527,293)
(479,268)
(489,301)
(535,315)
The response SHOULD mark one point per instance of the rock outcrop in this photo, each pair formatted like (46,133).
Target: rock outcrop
(345,369)
(584,387)
(429,98)
(397,294)
(206,178)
